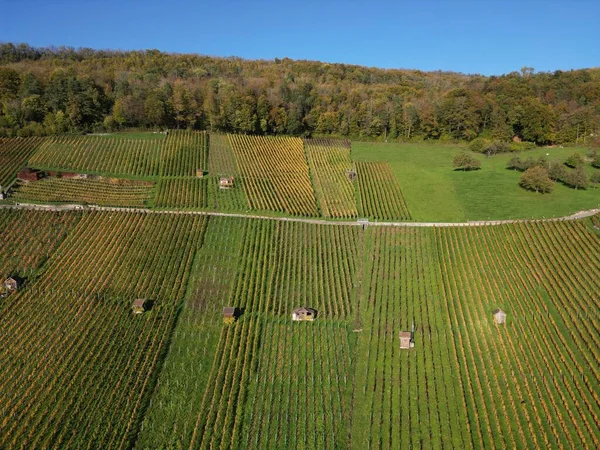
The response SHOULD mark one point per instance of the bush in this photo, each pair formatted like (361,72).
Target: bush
(479,145)
(574,160)
(464,161)
(596,162)
(515,163)
(577,178)
(497,147)
(556,171)
(595,178)
(520,146)
(537,179)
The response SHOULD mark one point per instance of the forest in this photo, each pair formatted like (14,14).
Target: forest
(60,90)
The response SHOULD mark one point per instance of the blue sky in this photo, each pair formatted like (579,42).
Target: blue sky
(471,36)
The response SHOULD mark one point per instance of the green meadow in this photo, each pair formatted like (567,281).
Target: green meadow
(435,192)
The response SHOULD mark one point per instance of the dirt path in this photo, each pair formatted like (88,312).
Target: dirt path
(27,206)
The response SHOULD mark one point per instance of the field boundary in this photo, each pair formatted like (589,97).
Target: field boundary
(361,223)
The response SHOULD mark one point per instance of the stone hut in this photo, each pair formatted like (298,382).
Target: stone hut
(11,284)
(406,340)
(303,314)
(499,316)
(350,174)
(229,314)
(226,182)
(140,305)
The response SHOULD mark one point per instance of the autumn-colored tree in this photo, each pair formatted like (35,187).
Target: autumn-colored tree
(466,162)
(537,179)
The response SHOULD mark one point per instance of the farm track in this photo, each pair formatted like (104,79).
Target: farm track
(76,207)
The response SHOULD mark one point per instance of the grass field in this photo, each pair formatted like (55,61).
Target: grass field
(434,192)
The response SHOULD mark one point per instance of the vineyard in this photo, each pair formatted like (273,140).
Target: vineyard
(275,173)
(378,192)
(14,153)
(221,159)
(182,193)
(100,191)
(28,239)
(329,159)
(183,153)
(81,366)
(81,369)
(96,154)
(286,175)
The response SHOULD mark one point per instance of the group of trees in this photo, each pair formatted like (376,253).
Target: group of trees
(60,90)
(539,175)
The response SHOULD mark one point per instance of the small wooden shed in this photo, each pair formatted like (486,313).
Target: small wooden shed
(11,284)
(140,305)
(350,174)
(499,316)
(226,182)
(229,314)
(200,173)
(303,314)
(406,341)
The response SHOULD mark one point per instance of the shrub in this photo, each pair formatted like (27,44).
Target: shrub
(596,161)
(574,160)
(520,146)
(464,161)
(529,163)
(515,163)
(496,147)
(556,171)
(595,178)
(537,179)
(577,178)
(479,145)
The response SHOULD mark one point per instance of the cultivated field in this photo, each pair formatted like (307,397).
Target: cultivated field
(14,153)
(80,369)
(378,192)
(101,191)
(80,366)
(183,153)
(182,193)
(97,154)
(329,159)
(275,173)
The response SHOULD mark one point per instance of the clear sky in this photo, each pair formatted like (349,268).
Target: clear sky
(471,36)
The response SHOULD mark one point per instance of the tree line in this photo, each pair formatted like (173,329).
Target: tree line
(66,90)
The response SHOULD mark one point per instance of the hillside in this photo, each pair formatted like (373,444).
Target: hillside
(469,335)
(323,177)
(62,90)
(81,368)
